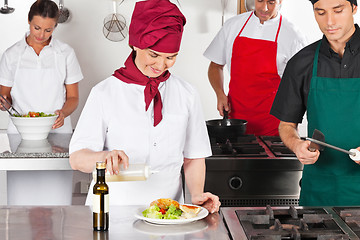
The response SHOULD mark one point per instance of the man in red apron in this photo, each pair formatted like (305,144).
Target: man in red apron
(255,64)
(324,80)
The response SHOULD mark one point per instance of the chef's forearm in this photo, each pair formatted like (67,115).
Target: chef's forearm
(70,105)
(72,99)
(84,160)
(216,78)
(194,170)
(289,135)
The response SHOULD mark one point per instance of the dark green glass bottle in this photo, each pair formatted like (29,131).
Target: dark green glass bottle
(100,200)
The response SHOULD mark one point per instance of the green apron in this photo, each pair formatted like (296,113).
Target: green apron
(334,109)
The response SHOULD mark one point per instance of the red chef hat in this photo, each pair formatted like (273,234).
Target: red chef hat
(156,24)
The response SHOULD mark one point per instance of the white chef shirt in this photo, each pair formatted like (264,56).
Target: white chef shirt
(114,117)
(290,40)
(57,60)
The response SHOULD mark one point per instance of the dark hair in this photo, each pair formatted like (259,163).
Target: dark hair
(352,2)
(44,8)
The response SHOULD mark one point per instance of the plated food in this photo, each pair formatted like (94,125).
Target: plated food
(165,211)
(166,208)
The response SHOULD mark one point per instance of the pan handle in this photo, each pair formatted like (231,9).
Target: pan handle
(226,114)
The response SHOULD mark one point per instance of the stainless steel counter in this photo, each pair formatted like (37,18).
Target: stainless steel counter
(24,155)
(55,146)
(75,222)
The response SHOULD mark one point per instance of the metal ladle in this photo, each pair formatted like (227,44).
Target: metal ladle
(249,5)
(6,9)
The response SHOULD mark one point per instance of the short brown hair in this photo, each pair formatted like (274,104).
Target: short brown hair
(44,8)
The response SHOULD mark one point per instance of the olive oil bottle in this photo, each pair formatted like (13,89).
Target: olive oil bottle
(100,200)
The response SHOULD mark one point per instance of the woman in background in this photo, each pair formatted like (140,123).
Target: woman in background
(144,114)
(40,73)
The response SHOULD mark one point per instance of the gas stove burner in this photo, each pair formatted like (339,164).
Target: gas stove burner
(289,223)
(277,146)
(351,215)
(241,146)
(229,149)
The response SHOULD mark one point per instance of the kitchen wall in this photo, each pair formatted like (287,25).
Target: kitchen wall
(99,57)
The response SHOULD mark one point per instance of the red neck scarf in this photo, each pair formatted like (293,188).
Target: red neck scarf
(131,74)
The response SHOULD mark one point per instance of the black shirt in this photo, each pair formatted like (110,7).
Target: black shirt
(291,99)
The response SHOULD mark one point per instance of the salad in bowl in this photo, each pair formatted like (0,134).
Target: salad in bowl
(34,125)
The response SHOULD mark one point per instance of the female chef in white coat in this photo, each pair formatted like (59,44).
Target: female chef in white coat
(41,74)
(144,114)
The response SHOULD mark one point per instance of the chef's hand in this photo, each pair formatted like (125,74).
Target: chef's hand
(59,120)
(4,103)
(222,104)
(114,159)
(207,200)
(303,153)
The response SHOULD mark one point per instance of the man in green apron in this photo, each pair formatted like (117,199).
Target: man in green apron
(324,80)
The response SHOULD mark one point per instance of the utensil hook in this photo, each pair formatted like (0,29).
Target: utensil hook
(61,4)
(114,6)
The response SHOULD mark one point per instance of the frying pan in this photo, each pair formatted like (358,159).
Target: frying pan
(225,128)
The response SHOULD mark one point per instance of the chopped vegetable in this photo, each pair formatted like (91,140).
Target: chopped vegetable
(153,212)
(35,114)
(160,213)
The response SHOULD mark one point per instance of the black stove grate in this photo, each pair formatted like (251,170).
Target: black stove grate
(275,144)
(290,223)
(351,216)
(241,146)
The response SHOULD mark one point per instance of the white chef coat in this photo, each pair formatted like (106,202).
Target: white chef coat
(290,40)
(38,81)
(114,117)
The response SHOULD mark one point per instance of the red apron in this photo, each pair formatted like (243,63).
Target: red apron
(254,83)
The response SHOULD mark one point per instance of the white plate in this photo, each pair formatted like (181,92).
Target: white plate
(167,229)
(202,214)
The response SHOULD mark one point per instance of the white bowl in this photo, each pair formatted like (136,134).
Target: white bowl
(33,128)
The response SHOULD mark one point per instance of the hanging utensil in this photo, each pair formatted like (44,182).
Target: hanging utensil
(8,107)
(64,13)
(249,5)
(223,6)
(354,154)
(115,26)
(6,9)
